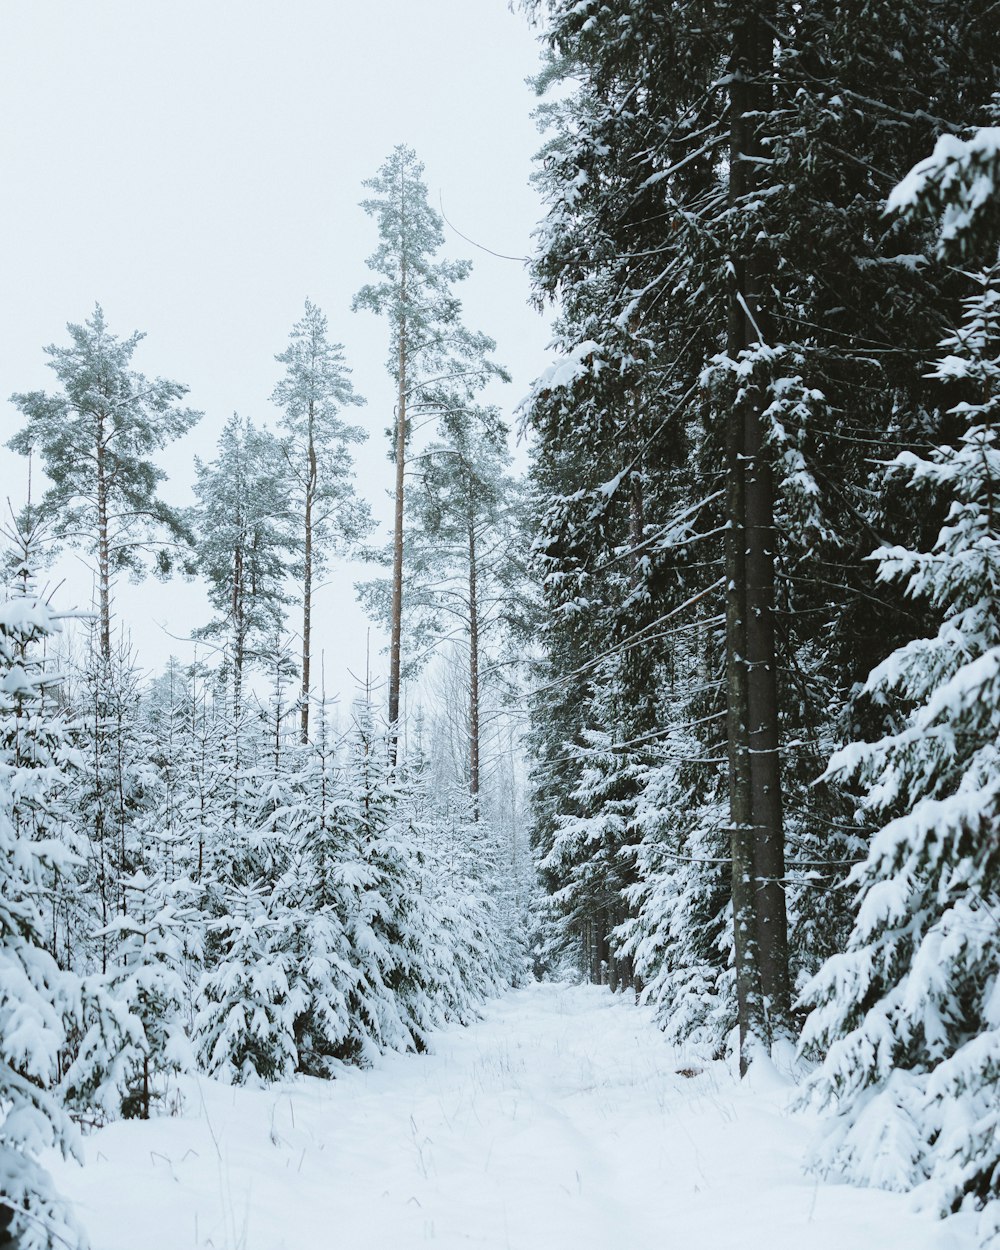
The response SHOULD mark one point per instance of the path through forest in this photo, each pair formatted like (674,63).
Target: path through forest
(559,1122)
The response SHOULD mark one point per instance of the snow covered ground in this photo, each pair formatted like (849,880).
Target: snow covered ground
(557,1123)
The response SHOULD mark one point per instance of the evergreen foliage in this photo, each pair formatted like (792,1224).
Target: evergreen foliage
(438,364)
(96,437)
(905,1018)
(330,516)
(715,358)
(243,541)
(752,578)
(36,998)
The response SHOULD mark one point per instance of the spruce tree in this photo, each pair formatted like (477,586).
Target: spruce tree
(36,997)
(905,1018)
(732,378)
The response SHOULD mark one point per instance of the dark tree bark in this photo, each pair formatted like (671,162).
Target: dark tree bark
(754,762)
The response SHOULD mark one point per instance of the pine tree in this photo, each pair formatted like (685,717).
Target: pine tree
(433,359)
(148,977)
(464,568)
(96,437)
(244,1032)
(319,821)
(314,390)
(243,540)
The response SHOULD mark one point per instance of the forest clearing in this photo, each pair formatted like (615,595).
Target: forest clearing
(559,1120)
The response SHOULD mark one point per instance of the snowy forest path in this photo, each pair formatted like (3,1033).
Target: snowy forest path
(558,1122)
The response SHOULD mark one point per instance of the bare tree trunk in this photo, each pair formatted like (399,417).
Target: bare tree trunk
(755,797)
(121,801)
(762,668)
(636,524)
(473,669)
(307,579)
(397,536)
(103,548)
(762,707)
(202,767)
(239,636)
(100,828)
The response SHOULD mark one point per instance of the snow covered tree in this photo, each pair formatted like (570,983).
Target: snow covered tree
(148,977)
(906,1019)
(35,745)
(35,996)
(318,821)
(434,360)
(243,541)
(96,437)
(315,389)
(176,726)
(463,564)
(721,383)
(113,796)
(62,1037)
(244,1031)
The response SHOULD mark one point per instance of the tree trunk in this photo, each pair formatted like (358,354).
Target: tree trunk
(636,524)
(752,720)
(307,577)
(762,668)
(473,670)
(762,707)
(236,606)
(100,827)
(103,548)
(397,536)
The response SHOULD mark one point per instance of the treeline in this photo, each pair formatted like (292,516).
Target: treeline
(766,791)
(211,870)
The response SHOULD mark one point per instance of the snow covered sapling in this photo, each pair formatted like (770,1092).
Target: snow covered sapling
(148,979)
(245,1028)
(34,995)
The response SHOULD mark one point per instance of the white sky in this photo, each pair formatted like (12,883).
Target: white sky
(196,166)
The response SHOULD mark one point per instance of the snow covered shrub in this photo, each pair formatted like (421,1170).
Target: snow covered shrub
(907,1019)
(349,915)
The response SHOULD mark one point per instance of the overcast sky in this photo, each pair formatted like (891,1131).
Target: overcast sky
(196,166)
